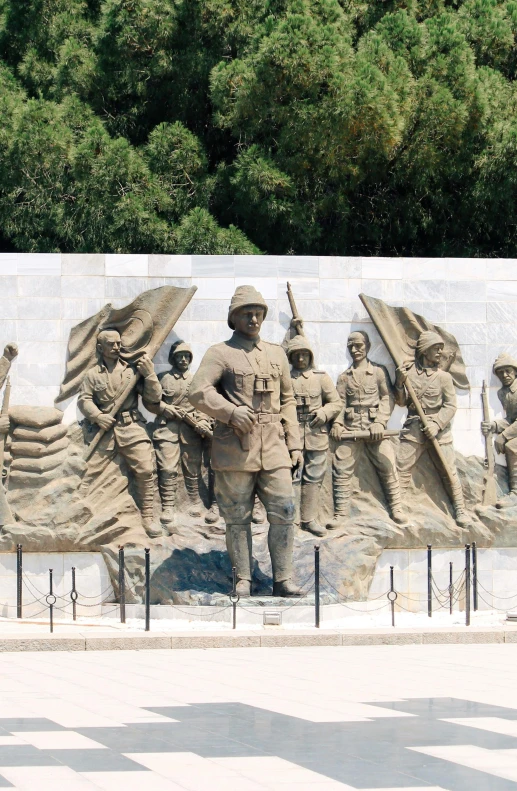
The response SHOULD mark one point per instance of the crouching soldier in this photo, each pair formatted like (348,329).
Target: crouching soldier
(505,368)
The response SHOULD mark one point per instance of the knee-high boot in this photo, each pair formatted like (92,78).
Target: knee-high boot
(280,542)
(145,502)
(309,508)
(238,543)
(167,483)
(192,486)
(341,502)
(391,488)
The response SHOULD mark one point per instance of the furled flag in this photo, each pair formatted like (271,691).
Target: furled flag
(143,326)
(400,328)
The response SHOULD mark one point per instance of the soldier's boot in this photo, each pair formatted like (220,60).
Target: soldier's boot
(341,503)
(509,499)
(145,501)
(259,512)
(280,541)
(394,498)
(167,484)
(195,507)
(309,508)
(461,516)
(238,543)
(297,491)
(212,516)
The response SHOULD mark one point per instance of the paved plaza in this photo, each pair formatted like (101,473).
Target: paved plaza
(284,719)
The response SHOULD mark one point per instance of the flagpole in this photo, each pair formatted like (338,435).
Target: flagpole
(409,387)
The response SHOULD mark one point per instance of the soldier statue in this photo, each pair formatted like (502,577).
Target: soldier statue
(505,368)
(317,404)
(245,384)
(435,391)
(180,434)
(126,431)
(367,402)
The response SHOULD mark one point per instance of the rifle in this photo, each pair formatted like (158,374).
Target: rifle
(294,309)
(490,491)
(186,417)
(353,435)
(6,516)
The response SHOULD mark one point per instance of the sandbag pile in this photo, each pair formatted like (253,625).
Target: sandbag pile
(38,446)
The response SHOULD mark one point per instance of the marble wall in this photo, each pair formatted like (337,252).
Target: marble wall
(43,295)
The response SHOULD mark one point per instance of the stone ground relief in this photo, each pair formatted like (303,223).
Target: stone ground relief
(68,489)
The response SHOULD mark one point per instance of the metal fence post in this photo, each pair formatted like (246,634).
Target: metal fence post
(392,596)
(474,576)
(147,590)
(451,589)
(122,584)
(73,595)
(234,598)
(429,580)
(19,572)
(51,600)
(317,586)
(467,584)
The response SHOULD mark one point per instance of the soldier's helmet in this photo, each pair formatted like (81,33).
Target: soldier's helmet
(179,346)
(426,339)
(297,344)
(504,360)
(243,297)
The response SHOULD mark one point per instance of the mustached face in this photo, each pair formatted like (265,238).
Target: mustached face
(357,347)
(433,354)
(108,345)
(506,375)
(248,320)
(182,361)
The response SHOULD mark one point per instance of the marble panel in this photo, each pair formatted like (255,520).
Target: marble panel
(501,290)
(303,288)
(501,332)
(37,374)
(8,264)
(9,308)
(465,312)
(83,264)
(125,287)
(334,266)
(391,291)
(501,312)
(335,311)
(170,265)
(466,291)
(36,351)
(501,269)
(127,265)
(214,288)
(474,354)
(298,266)
(39,308)
(36,330)
(268,286)
(82,286)
(39,286)
(425,290)
(476,375)
(42,264)
(382,268)
(206,332)
(178,282)
(309,310)
(8,287)
(208,309)
(468,333)
(79,309)
(272,332)
(337,332)
(335,289)
(251,265)
(8,331)
(463,268)
(359,312)
(213,266)
(419,268)
(333,354)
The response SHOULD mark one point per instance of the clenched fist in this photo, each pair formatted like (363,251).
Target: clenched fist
(105,421)
(145,366)
(10,351)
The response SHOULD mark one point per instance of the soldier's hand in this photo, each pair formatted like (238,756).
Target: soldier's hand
(335,431)
(4,424)
(202,427)
(400,376)
(10,351)
(319,419)
(243,419)
(487,426)
(431,430)
(297,326)
(499,443)
(296,458)
(376,431)
(105,422)
(145,366)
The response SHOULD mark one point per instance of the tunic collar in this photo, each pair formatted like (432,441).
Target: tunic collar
(420,369)
(104,370)
(178,374)
(295,373)
(243,342)
(368,370)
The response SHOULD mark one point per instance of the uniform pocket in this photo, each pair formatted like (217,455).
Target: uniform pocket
(242,378)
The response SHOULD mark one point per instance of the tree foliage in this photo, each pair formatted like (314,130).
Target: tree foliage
(331,127)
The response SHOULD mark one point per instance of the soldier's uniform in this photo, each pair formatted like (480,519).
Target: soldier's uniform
(366,395)
(507,426)
(253,373)
(314,393)
(435,391)
(176,441)
(129,436)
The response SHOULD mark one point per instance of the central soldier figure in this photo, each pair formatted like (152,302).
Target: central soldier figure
(245,384)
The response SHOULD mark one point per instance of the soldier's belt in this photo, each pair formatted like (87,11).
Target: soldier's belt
(266,417)
(363,408)
(429,410)
(127,417)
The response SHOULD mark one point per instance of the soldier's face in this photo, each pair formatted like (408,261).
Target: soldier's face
(357,347)
(182,361)
(507,375)
(109,346)
(248,320)
(433,354)
(301,359)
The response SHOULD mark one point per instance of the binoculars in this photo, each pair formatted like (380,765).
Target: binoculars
(264,384)
(302,401)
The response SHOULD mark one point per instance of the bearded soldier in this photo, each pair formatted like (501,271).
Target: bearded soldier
(180,434)
(435,391)
(100,388)
(505,368)
(317,404)
(245,384)
(367,400)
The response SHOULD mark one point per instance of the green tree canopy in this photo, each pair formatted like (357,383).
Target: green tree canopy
(331,127)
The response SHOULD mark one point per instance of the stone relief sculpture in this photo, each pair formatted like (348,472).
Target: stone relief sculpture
(317,404)
(505,368)
(367,403)
(181,434)
(245,385)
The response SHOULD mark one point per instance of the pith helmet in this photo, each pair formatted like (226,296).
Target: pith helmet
(504,361)
(427,339)
(297,344)
(244,296)
(180,346)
